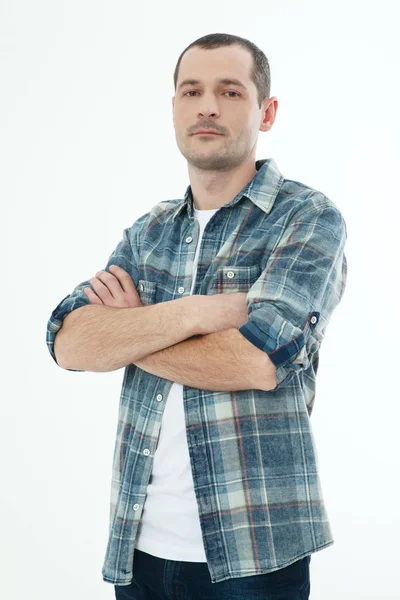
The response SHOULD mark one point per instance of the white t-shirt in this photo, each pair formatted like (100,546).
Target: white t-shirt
(170,524)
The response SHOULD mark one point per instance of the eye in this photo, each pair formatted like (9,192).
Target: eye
(195,92)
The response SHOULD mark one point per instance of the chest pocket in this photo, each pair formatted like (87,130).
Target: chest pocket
(147,291)
(235,279)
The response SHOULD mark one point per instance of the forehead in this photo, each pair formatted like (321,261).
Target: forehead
(209,65)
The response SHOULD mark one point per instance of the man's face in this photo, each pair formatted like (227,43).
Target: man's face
(224,107)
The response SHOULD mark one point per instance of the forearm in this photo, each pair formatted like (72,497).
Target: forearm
(101,338)
(222,361)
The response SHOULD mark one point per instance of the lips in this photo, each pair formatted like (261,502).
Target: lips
(206,132)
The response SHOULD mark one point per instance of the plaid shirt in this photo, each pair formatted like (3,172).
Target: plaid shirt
(252,452)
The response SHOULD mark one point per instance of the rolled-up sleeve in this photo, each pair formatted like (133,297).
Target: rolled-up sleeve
(291,303)
(125,256)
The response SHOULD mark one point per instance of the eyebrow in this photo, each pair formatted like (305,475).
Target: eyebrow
(224,81)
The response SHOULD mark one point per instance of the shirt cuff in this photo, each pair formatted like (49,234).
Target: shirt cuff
(289,347)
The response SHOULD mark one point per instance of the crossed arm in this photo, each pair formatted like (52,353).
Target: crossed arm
(222,361)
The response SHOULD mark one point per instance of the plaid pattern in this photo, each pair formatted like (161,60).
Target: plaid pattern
(252,452)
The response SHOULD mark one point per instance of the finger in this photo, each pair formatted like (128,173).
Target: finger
(101,290)
(92,296)
(112,282)
(124,278)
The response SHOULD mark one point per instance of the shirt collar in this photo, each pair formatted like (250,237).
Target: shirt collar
(261,190)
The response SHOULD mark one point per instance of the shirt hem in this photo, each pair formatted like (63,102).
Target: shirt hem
(234,573)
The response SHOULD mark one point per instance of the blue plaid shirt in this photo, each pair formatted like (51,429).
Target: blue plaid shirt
(252,452)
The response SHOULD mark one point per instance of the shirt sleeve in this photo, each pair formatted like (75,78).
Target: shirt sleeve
(125,256)
(303,281)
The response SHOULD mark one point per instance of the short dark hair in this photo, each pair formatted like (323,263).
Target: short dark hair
(260,73)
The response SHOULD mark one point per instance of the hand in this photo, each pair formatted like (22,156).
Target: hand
(115,289)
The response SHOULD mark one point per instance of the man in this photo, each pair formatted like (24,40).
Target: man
(216,305)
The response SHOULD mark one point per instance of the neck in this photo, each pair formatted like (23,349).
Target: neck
(213,189)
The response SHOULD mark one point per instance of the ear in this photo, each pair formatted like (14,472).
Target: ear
(269,113)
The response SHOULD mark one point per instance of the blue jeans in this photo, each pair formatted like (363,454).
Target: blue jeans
(157,578)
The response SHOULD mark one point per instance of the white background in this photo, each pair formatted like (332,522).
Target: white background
(87,146)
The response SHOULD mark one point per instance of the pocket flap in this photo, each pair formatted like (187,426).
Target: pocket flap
(236,278)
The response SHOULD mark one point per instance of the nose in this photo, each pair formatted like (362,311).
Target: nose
(208,106)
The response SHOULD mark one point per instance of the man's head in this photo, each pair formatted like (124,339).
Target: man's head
(236,113)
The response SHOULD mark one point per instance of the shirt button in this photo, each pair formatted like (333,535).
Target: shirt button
(181,290)
(188,239)
(135,506)
(230,274)
(146,451)
(313,320)
(141,287)
(159,397)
